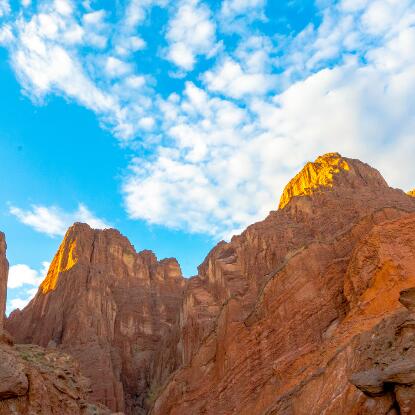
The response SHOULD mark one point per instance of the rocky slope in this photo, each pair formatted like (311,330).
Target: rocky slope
(307,312)
(36,381)
(110,308)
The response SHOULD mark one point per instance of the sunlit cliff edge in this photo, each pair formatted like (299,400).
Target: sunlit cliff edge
(330,172)
(63,261)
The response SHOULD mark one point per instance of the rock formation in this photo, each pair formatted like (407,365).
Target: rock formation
(36,381)
(412,193)
(385,359)
(271,324)
(310,311)
(110,308)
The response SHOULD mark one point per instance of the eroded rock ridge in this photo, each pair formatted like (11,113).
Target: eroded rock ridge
(309,311)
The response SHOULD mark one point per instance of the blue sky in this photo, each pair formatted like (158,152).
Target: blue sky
(179,123)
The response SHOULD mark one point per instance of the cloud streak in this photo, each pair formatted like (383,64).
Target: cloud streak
(53,221)
(24,282)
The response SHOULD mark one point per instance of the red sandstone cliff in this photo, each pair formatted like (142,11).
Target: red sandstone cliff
(36,381)
(110,308)
(276,319)
(307,312)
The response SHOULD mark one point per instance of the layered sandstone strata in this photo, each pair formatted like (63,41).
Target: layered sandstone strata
(274,322)
(110,308)
(307,312)
(36,381)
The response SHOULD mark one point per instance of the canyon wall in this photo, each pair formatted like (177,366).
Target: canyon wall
(36,381)
(109,307)
(309,311)
(273,322)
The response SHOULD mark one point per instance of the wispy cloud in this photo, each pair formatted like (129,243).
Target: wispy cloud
(227,160)
(22,274)
(253,106)
(53,221)
(23,284)
(4,7)
(191,32)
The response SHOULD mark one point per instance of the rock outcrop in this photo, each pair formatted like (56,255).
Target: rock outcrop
(110,308)
(326,172)
(310,311)
(412,193)
(36,381)
(272,322)
(385,359)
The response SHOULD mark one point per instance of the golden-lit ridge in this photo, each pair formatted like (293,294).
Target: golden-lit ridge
(411,193)
(63,261)
(314,175)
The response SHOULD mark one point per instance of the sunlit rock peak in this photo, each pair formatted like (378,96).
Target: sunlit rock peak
(313,176)
(329,171)
(411,193)
(64,260)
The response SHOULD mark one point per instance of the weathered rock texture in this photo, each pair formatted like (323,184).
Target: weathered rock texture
(4,270)
(276,319)
(36,381)
(307,312)
(110,308)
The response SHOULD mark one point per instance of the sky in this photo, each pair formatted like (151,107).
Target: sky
(180,122)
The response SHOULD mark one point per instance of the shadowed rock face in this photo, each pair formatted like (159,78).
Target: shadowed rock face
(110,308)
(36,381)
(308,312)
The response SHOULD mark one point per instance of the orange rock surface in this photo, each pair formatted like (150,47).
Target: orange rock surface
(412,193)
(35,381)
(314,177)
(274,321)
(307,312)
(110,308)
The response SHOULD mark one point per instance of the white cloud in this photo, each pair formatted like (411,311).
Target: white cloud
(116,67)
(53,221)
(191,32)
(23,284)
(22,274)
(219,150)
(95,18)
(136,11)
(4,7)
(230,79)
(22,301)
(64,7)
(214,179)
(248,9)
